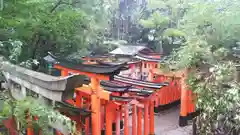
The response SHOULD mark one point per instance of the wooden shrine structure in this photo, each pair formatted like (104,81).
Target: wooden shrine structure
(146,67)
(111,104)
(112,87)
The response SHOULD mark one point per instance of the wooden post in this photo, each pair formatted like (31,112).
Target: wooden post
(29,129)
(126,119)
(146,120)
(151,107)
(102,118)
(142,69)
(109,119)
(191,104)
(87,120)
(151,118)
(134,120)
(139,128)
(95,106)
(150,76)
(118,113)
(79,104)
(184,102)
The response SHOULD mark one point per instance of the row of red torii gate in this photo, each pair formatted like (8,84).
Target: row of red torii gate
(120,86)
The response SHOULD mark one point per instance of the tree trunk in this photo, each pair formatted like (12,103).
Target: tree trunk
(35,45)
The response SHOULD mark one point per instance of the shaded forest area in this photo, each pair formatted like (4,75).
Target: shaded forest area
(29,29)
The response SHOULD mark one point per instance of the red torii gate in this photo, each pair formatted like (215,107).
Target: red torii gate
(95,85)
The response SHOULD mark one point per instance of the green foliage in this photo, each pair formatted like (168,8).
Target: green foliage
(215,21)
(207,33)
(211,31)
(156,4)
(156,21)
(165,17)
(170,32)
(218,96)
(11,49)
(5,111)
(62,27)
(45,114)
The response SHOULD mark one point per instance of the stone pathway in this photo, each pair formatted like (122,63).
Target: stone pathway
(166,123)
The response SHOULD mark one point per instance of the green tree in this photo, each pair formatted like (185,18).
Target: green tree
(163,21)
(41,116)
(211,29)
(63,27)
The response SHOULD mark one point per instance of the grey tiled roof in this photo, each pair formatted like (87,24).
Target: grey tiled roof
(128,50)
(49,59)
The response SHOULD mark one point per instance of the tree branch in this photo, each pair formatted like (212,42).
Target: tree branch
(60,2)
(75,2)
(56,5)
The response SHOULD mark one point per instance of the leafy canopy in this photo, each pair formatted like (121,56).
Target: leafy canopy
(63,27)
(211,29)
